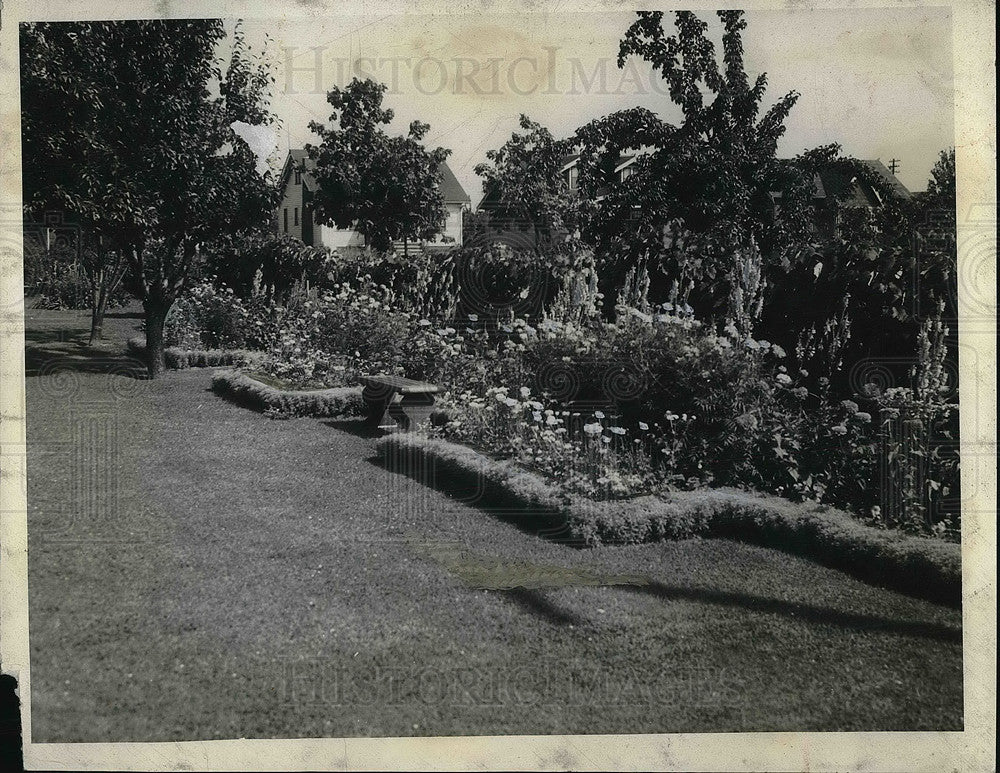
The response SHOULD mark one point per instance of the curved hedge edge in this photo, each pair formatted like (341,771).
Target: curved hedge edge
(247,391)
(178,358)
(917,566)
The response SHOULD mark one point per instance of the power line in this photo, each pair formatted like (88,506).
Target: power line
(893,165)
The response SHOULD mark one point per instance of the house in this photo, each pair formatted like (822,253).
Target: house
(294,215)
(834,191)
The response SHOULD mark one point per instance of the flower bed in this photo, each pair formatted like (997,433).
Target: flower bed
(918,566)
(178,358)
(249,392)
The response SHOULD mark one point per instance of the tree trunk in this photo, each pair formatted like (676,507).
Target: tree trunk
(156,315)
(98,307)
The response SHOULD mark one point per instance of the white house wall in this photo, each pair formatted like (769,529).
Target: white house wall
(337,238)
(291,202)
(452,227)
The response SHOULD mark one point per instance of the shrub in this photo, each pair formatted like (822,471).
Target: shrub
(249,392)
(266,264)
(919,566)
(332,338)
(208,318)
(178,358)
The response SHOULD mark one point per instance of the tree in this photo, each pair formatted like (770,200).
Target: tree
(69,164)
(698,208)
(388,188)
(155,168)
(937,252)
(524,178)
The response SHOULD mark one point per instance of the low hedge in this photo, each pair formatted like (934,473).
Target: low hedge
(921,567)
(177,358)
(247,391)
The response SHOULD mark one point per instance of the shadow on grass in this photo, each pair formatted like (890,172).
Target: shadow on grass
(62,335)
(805,612)
(491,501)
(535,602)
(49,353)
(359,427)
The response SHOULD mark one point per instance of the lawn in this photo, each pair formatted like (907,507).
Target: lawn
(198,571)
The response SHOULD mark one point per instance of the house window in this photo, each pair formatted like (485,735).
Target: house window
(286,219)
(572,176)
(296,216)
(298,177)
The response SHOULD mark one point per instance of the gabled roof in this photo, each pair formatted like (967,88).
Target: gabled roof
(451,188)
(898,188)
(835,183)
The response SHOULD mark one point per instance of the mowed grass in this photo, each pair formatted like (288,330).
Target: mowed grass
(198,571)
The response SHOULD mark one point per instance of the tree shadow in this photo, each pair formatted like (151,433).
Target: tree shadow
(536,603)
(49,353)
(811,614)
(64,336)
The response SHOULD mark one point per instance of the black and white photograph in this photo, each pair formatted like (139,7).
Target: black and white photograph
(594,379)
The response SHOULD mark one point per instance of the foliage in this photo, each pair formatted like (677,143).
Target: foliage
(655,400)
(523,182)
(151,196)
(703,189)
(209,318)
(259,262)
(388,188)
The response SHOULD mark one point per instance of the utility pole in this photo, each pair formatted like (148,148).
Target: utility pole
(893,165)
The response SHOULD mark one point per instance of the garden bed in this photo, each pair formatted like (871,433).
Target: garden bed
(178,358)
(248,391)
(921,567)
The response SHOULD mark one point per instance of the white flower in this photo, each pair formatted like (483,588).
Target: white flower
(424,323)
(618,430)
(473,318)
(536,416)
(605,439)
(783,378)
(525,392)
(598,414)
(643,426)
(593,429)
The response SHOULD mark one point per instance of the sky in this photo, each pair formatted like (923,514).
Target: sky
(877,81)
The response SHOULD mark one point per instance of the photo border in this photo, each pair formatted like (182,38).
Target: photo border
(971,749)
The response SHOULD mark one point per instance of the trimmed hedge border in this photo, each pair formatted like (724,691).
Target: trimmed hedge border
(176,358)
(247,391)
(917,566)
